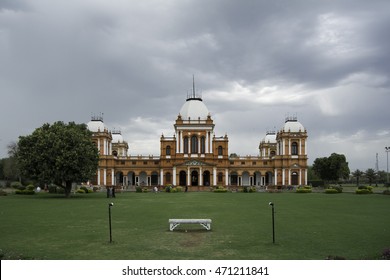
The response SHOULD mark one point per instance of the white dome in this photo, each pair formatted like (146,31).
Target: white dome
(96,125)
(270,138)
(117,137)
(194,109)
(293,126)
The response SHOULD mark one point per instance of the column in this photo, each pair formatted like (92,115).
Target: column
(300,147)
(112,177)
(207,142)
(161,177)
(226,177)
(214,176)
(305,176)
(289,147)
(174,176)
(188,176)
(98,177)
(276,176)
(104,176)
(200,176)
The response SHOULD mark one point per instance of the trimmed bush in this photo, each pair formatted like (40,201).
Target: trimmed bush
(17,185)
(28,192)
(303,189)
(138,189)
(80,190)
(331,191)
(220,190)
(364,190)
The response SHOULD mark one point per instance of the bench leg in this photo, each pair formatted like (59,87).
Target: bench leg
(172,226)
(206,226)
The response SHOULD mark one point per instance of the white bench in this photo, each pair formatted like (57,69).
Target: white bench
(173,223)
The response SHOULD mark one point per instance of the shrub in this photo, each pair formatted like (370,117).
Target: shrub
(303,189)
(30,187)
(331,191)
(138,189)
(81,190)
(28,192)
(17,185)
(3,193)
(223,190)
(95,189)
(387,192)
(247,189)
(145,189)
(364,190)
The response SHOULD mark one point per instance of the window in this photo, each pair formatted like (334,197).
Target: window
(168,178)
(185,145)
(168,150)
(294,148)
(220,150)
(202,145)
(194,145)
(220,177)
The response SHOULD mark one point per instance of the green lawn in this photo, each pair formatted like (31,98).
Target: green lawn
(308,226)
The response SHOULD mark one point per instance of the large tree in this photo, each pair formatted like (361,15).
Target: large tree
(331,168)
(60,153)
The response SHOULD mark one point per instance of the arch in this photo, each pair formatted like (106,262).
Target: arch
(194,178)
(245,178)
(294,148)
(182,178)
(257,178)
(294,178)
(269,178)
(154,179)
(220,178)
(143,179)
(185,145)
(202,145)
(206,178)
(168,150)
(194,144)
(168,178)
(119,178)
(130,178)
(220,150)
(234,179)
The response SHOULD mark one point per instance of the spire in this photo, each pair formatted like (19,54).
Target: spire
(193,95)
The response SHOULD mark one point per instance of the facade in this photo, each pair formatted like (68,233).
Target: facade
(197,159)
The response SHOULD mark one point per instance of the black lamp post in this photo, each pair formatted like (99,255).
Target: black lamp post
(273,221)
(109,219)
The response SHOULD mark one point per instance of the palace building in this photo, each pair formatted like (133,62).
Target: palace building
(197,159)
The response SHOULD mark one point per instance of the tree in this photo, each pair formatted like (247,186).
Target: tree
(58,153)
(331,168)
(370,175)
(357,174)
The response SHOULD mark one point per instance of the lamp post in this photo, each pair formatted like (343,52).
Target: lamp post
(387,152)
(273,221)
(109,219)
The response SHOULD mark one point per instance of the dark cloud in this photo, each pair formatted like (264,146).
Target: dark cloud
(254,62)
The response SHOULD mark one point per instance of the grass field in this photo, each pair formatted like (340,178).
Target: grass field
(307,226)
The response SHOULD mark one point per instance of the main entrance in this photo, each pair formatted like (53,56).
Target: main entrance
(194,178)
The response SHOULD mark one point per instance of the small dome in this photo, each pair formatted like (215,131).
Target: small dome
(293,125)
(117,137)
(96,125)
(194,109)
(270,137)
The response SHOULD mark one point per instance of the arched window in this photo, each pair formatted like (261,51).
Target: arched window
(194,144)
(294,148)
(168,177)
(202,145)
(168,150)
(185,144)
(220,177)
(220,150)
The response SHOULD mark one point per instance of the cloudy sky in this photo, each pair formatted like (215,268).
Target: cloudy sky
(255,62)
